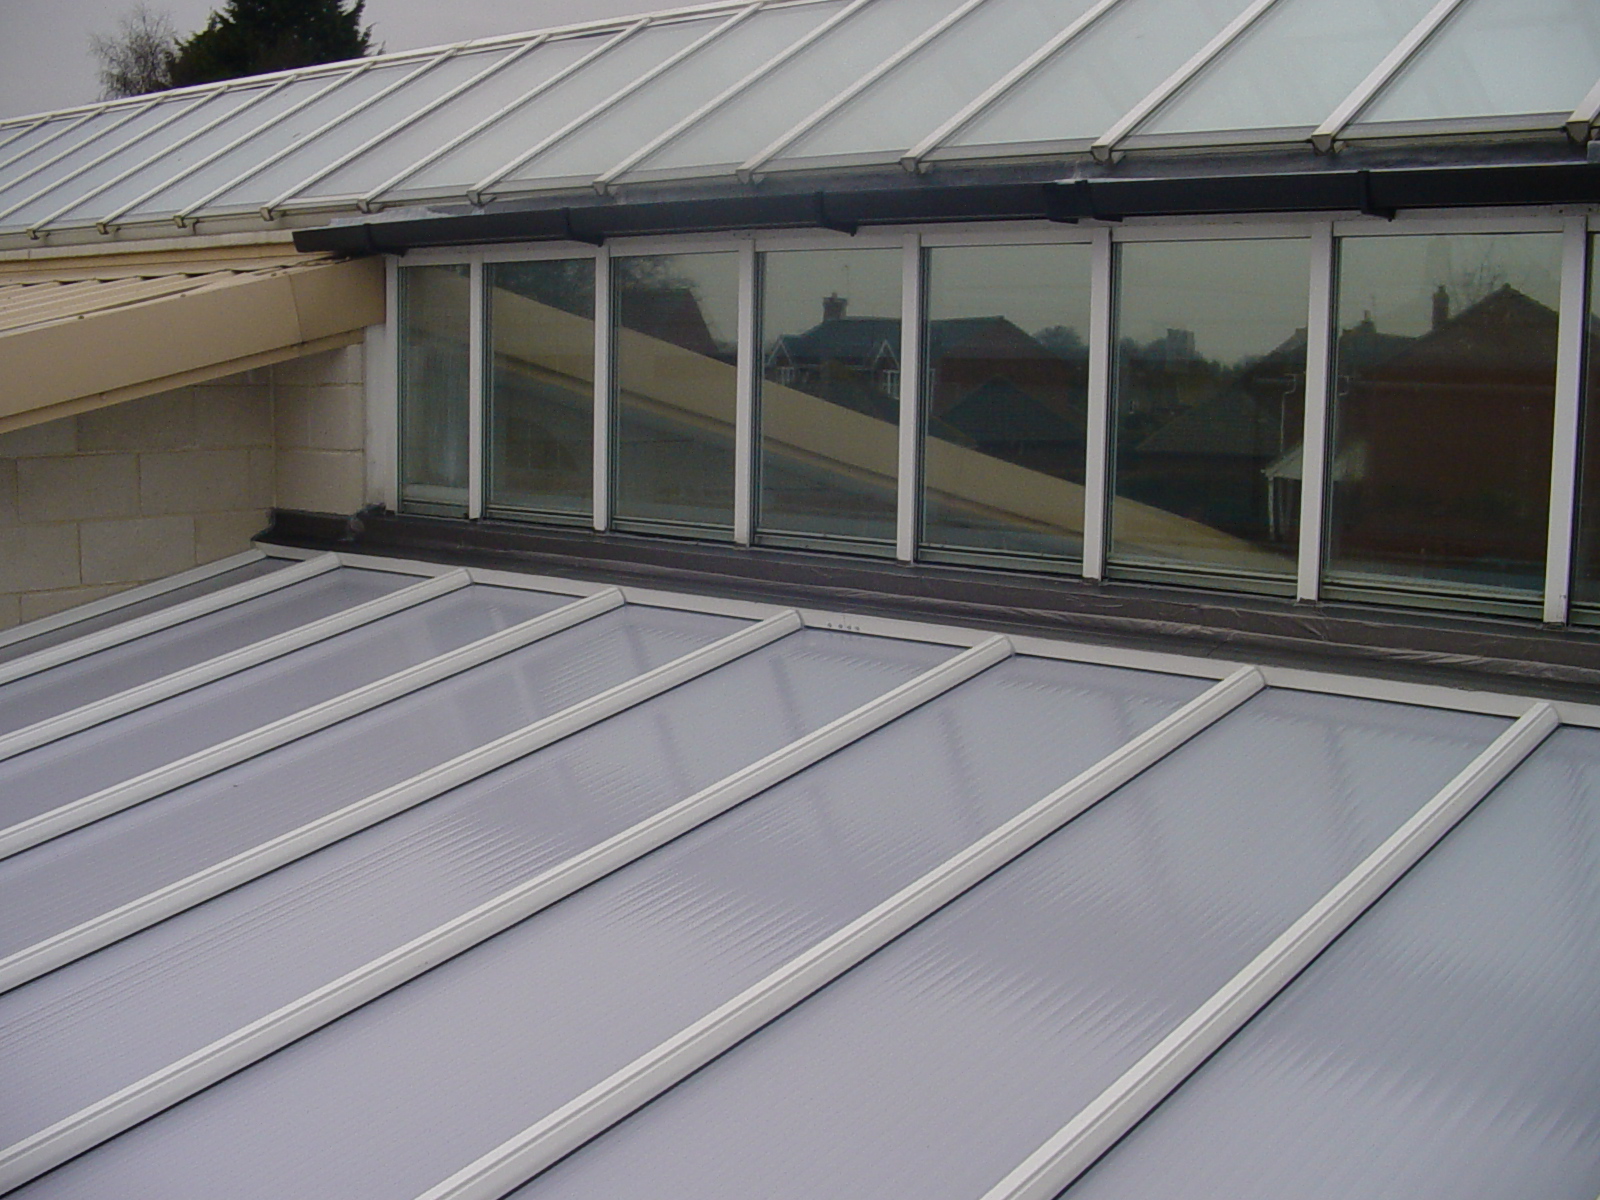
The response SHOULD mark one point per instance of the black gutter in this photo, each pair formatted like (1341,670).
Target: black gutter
(1378,191)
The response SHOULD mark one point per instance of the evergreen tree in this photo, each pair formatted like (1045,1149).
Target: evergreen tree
(251,37)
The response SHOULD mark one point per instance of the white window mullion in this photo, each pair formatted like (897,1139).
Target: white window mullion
(1097,470)
(603,390)
(1567,426)
(477,353)
(910,464)
(748,364)
(1314,474)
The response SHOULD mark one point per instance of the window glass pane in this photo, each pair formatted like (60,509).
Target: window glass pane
(433,387)
(1586,567)
(1008,363)
(677,328)
(829,404)
(541,385)
(1443,403)
(1209,405)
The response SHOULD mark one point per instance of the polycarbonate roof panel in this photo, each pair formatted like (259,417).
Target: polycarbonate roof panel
(54,163)
(1497,58)
(1089,84)
(1443,1049)
(54,886)
(125,1011)
(982,1030)
(953,70)
(655,108)
(472,1051)
(1291,68)
(141,608)
(59,689)
(102,755)
(780,99)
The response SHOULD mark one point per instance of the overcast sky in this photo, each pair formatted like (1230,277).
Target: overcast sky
(44,44)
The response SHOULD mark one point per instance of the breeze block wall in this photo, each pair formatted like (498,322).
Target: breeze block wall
(96,503)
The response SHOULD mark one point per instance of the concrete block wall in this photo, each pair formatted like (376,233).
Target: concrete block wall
(93,504)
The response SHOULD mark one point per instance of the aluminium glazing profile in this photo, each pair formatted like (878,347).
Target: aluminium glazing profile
(1581,124)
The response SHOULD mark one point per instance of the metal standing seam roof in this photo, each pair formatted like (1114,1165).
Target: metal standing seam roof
(742,90)
(332,875)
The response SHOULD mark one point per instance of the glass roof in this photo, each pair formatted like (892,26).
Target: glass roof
(518,886)
(792,85)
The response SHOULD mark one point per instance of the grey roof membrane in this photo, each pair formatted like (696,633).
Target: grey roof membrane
(1443,1045)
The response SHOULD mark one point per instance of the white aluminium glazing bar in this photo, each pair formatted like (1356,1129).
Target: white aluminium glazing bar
(912,159)
(1571,333)
(748,169)
(603,181)
(232,1053)
(403,123)
(79,146)
(183,894)
(1324,136)
(1097,433)
(108,223)
(1580,125)
(477,401)
(747,365)
(1054,1166)
(366,202)
(160,587)
(181,217)
(604,388)
(92,643)
(1104,145)
(540,1145)
(481,190)
(22,129)
(52,729)
(66,128)
(909,480)
(1318,413)
(153,783)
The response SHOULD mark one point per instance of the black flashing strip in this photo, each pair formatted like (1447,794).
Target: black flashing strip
(1381,192)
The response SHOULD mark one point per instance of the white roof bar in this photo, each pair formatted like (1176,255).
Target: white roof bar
(121,796)
(755,162)
(76,146)
(104,639)
(604,181)
(405,122)
(52,729)
(183,894)
(1580,125)
(236,1051)
(97,608)
(1116,1110)
(912,159)
(366,202)
(66,128)
(182,216)
(183,110)
(1106,143)
(108,222)
(521,1157)
(22,129)
(1323,137)
(477,191)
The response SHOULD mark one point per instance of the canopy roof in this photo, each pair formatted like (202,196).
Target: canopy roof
(727,92)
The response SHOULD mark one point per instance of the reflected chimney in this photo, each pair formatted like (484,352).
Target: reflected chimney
(833,307)
(1441,307)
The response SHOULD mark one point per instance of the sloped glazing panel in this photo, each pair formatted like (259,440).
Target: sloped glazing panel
(919,95)
(1088,85)
(942,1061)
(433,388)
(481,1046)
(1586,557)
(53,163)
(1499,58)
(803,84)
(677,318)
(1005,400)
(1443,1049)
(1443,407)
(829,400)
(655,108)
(103,1022)
(540,319)
(1291,68)
(1209,405)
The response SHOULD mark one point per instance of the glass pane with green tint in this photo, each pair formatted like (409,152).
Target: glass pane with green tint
(433,388)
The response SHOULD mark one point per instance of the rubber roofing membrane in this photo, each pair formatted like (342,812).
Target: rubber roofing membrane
(332,875)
